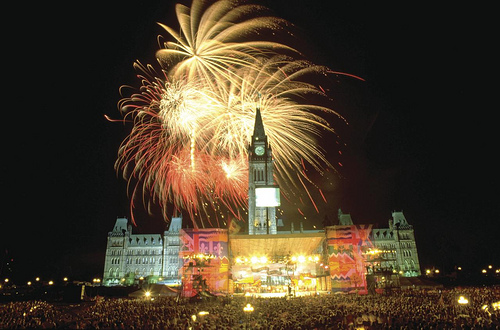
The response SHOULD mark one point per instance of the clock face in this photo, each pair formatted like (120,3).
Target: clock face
(259,151)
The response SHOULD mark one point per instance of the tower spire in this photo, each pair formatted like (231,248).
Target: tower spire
(261,214)
(258,129)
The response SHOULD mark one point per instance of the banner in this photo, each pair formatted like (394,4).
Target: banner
(346,258)
(204,253)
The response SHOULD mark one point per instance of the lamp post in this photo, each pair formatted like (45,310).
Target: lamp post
(247,309)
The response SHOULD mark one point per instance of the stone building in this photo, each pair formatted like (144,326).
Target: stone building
(132,256)
(351,255)
(399,242)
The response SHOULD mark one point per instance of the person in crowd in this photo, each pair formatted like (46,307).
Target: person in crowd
(402,310)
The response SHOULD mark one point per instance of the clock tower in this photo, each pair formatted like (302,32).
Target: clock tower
(262,218)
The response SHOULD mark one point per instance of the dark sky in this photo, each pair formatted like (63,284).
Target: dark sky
(422,137)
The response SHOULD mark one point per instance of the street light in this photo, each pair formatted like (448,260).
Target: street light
(248,309)
(462,300)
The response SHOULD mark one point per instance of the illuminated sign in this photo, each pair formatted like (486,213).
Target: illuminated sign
(267,196)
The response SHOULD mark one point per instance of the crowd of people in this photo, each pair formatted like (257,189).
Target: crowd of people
(399,310)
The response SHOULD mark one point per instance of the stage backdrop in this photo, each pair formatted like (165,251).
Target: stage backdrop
(204,253)
(347,246)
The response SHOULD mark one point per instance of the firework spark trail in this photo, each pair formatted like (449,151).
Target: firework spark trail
(210,40)
(193,120)
(290,125)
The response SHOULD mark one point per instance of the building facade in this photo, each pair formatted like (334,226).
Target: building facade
(342,257)
(361,257)
(130,257)
(399,242)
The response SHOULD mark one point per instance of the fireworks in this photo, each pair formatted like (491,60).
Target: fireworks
(193,120)
(215,39)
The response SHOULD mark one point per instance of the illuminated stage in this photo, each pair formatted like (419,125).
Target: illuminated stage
(276,245)
(276,265)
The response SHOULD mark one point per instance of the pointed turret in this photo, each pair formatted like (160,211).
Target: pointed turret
(258,129)
(262,218)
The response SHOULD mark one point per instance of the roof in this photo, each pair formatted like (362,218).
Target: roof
(276,245)
(156,290)
(383,233)
(120,225)
(149,240)
(344,218)
(258,129)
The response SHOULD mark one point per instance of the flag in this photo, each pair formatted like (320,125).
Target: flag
(233,226)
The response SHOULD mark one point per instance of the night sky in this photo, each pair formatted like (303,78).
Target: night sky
(422,135)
